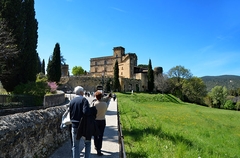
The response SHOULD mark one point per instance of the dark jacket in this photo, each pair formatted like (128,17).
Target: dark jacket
(79,107)
(87,126)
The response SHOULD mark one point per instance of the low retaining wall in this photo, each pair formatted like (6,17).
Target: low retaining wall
(52,100)
(33,134)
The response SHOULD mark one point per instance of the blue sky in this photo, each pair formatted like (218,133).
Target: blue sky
(201,35)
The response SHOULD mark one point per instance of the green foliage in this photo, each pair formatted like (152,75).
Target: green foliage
(8,55)
(237,106)
(36,89)
(229,105)
(54,65)
(43,67)
(177,76)
(77,70)
(150,76)
(155,128)
(29,56)
(41,78)
(116,83)
(38,64)
(218,95)
(2,90)
(22,26)
(194,90)
(144,66)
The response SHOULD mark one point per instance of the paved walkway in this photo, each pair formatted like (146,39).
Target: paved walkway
(110,147)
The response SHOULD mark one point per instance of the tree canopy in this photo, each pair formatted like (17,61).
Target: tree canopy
(77,70)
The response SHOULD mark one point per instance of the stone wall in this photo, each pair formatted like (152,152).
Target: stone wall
(91,83)
(33,134)
(52,100)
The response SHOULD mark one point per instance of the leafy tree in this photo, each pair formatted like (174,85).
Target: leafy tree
(229,105)
(150,77)
(116,83)
(218,95)
(54,65)
(43,67)
(77,70)
(194,90)
(8,56)
(161,82)
(177,76)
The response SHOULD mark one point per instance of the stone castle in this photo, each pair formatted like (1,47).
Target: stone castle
(131,76)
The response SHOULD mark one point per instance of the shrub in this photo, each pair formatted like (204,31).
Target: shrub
(36,89)
(229,105)
(53,87)
(237,106)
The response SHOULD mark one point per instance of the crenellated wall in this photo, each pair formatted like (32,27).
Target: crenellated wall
(32,134)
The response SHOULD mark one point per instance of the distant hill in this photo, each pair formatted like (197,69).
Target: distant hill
(230,81)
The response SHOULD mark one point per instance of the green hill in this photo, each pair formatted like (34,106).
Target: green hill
(158,125)
(230,81)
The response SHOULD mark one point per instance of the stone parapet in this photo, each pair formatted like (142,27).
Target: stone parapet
(31,134)
(55,99)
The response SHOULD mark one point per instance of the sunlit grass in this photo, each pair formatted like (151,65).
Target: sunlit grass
(156,125)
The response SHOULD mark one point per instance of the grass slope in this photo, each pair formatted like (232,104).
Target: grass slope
(157,125)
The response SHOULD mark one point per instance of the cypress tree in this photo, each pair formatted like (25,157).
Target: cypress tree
(54,65)
(150,77)
(21,22)
(43,67)
(39,65)
(8,55)
(29,54)
(11,14)
(116,84)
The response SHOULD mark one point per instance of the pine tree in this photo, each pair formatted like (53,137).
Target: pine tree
(150,77)
(54,65)
(116,84)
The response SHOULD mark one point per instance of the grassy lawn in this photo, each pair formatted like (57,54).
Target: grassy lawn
(160,126)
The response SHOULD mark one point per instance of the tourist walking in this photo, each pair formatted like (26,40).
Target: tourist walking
(79,106)
(101,106)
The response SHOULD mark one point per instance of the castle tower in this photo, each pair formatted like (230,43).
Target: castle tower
(158,70)
(118,53)
(64,69)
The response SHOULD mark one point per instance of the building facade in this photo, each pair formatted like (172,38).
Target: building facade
(105,65)
(131,77)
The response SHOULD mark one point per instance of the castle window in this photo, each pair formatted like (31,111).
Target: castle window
(122,68)
(121,73)
(116,55)
(105,62)
(95,63)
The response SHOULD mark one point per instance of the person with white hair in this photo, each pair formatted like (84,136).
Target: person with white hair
(79,106)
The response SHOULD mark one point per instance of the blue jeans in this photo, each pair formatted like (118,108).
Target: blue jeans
(76,145)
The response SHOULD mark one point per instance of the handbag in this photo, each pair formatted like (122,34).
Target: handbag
(66,119)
